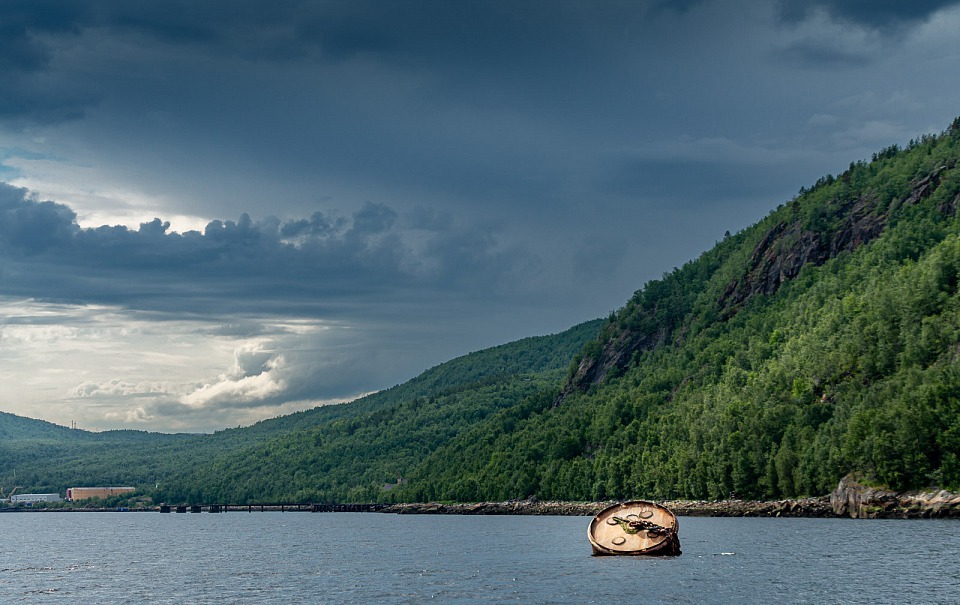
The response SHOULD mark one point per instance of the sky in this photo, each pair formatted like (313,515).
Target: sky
(212,213)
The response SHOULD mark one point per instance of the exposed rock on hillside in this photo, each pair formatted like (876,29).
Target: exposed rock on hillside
(615,356)
(858,501)
(786,249)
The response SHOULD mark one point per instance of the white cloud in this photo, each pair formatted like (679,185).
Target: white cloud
(107,368)
(119,388)
(133,416)
(92,364)
(256,377)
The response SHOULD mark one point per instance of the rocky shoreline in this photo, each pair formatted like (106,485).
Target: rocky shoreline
(850,499)
(853,499)
(807,507)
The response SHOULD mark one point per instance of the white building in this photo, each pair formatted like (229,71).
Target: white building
(31,498)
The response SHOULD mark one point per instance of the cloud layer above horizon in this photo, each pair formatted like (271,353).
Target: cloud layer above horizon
(297,312)
(213,216)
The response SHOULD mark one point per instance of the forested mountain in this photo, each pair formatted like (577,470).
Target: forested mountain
(823,340)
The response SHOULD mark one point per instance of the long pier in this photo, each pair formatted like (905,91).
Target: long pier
(274,507)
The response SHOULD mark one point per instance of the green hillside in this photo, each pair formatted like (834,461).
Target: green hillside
(822,341)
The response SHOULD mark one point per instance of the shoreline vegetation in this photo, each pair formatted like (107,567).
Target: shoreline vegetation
(850,499)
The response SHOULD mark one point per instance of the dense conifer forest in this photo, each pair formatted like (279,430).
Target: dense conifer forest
(822,341)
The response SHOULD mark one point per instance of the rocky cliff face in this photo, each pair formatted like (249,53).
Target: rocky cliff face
(616,355)
(787,248)
(855,500)
(780,255)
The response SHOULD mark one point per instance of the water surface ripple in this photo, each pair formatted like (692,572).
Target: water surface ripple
(310,558)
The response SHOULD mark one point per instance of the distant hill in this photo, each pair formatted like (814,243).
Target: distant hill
(14,427)
(49,457)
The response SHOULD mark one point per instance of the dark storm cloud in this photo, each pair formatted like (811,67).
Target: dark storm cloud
(24,22)
(883,14)
(850,34)
(481,108)
(29,227)
(310,266)
(472,43)
(685,182)
(818,54)
(430,99)
(485,104)
(26,55)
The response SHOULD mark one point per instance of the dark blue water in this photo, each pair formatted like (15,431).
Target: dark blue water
(377,558)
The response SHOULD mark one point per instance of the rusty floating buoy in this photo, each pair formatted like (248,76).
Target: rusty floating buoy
(637,527)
